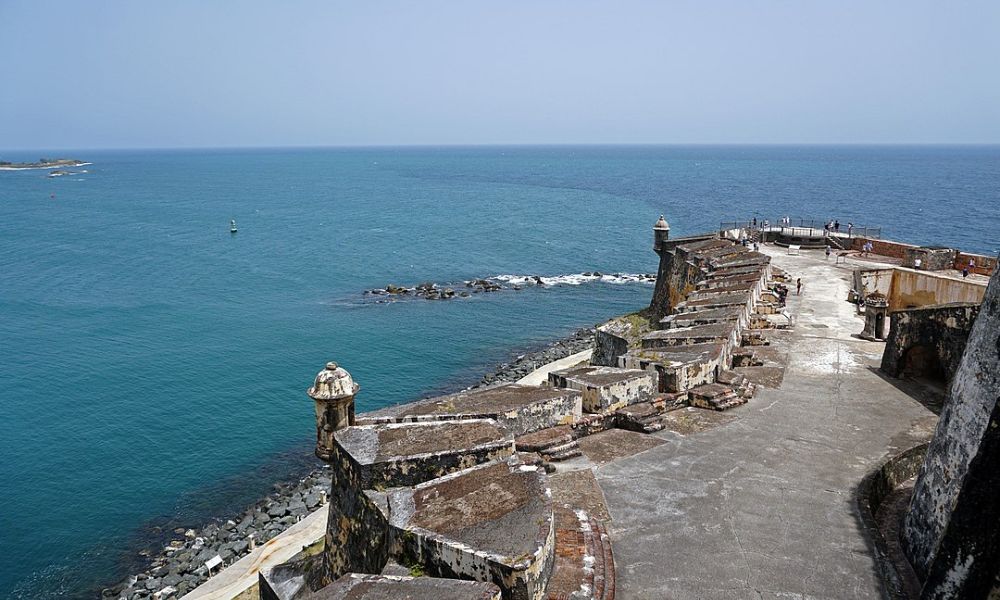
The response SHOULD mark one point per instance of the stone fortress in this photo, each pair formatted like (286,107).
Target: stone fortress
(629,473)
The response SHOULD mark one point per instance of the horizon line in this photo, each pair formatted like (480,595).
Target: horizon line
(418,145)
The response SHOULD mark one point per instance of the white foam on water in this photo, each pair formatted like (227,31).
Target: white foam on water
(577,279)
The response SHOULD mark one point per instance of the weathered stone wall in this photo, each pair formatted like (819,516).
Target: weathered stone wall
(612,340)
(984,264)
(951,533)
(882,247)
(911,288)
(931,259)
(357,534)
(676,277)
(869,281)
(942,330)
(564,410)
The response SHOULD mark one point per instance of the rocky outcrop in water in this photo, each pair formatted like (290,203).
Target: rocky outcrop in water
(464,289)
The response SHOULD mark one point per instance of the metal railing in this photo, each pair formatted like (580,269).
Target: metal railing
(803,227)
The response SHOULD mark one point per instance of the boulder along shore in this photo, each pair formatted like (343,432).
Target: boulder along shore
(180,565)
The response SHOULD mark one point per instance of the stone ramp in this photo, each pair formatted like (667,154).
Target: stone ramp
(552,445)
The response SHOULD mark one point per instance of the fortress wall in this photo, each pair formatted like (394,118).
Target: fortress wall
(951,533)
(984,264)
(911,288)
(940,330)
(883,247)
(869,281)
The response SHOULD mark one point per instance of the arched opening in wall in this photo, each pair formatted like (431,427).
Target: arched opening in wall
(923,364)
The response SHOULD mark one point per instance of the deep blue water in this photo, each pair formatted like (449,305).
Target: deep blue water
(153,366)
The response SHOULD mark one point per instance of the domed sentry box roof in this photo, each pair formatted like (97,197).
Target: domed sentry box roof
(661,223)
(333,383)
(877,299)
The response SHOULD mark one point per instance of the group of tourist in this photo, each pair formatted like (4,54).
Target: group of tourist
(969,268)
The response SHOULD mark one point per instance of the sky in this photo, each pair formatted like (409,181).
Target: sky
(191,73)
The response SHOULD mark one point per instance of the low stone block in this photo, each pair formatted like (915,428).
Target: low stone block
(397,454)
(606,389)
(679,367)
(489,523)
(518,408)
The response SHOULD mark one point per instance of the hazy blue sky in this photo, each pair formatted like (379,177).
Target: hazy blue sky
(196,73)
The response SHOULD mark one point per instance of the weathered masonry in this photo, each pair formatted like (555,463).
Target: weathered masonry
(457,487)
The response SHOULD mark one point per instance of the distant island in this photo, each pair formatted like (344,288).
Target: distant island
(43,163)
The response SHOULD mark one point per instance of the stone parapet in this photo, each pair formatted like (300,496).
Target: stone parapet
(606,389)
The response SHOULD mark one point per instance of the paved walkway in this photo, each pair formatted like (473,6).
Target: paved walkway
(762,506)
(541,374)
(241,575)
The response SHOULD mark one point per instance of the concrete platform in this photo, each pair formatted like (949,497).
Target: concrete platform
(518,408)
(397,454)
(356,586)
(490,523)
(761,505)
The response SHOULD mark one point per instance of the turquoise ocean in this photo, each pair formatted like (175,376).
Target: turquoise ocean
(153,366)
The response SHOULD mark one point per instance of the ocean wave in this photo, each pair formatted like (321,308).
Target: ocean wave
(40,168)
(576,278)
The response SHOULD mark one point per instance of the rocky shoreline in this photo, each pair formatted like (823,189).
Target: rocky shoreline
(180,566)
(430,290)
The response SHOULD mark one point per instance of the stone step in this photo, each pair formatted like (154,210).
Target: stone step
(728,403)
(653,424)
(754,338)
(565,454)
(544,439)
(551,450)
(732,379)
(644,417)
(715,396)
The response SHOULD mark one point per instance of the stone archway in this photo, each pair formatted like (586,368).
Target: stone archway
(923,363)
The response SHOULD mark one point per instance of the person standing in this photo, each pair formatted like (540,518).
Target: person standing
(828,252)
(798,286)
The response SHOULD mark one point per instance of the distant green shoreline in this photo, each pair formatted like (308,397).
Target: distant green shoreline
(43,163)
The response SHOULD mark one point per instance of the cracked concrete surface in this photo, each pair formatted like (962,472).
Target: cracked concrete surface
(762,506)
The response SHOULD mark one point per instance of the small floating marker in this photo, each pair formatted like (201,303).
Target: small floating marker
(232,226)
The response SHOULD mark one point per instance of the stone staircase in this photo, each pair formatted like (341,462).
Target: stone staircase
(738,382)
(647,417)
(643,417)
(836,243)
(554,444)
(716,396)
